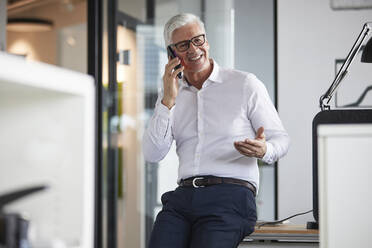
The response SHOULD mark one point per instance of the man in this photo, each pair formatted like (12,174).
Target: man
(222,121)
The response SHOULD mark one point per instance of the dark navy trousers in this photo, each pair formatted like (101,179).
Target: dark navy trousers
(217,216)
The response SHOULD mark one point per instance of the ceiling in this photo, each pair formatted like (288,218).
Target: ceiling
(17,6)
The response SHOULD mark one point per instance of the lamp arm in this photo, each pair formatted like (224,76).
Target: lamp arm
(326,97)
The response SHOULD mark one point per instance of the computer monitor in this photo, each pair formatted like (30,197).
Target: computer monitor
(349,116)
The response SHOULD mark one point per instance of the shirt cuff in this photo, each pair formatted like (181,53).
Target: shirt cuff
(268,157)
(164,111)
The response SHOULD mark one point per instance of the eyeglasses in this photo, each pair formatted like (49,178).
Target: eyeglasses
(182,46)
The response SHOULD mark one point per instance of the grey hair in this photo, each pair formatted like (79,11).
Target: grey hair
(178,21)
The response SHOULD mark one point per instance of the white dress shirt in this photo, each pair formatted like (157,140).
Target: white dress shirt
(205,123)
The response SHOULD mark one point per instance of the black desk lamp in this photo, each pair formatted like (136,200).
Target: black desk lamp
(13,227)
(366,58)
(341,116)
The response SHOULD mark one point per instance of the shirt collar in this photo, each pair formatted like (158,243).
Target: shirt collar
(216,73)
(214,77)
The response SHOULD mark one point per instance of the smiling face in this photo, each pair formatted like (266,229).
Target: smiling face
(196,58)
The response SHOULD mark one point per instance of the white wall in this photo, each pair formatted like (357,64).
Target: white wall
(254,39)
(72,43)
(219,25)
(310,37)
(254,52)
(136,9)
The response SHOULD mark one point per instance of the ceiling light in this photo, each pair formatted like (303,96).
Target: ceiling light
(29,25)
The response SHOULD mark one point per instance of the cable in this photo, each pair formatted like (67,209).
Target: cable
(280,221)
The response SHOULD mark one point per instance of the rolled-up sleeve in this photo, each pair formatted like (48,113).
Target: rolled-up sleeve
(277,144)
(158,136)
(262,113)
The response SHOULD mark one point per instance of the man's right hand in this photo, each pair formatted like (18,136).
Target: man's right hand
(170,82)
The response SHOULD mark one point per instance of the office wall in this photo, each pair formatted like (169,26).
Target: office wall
(310,37)
(220,28)
(136,9)
(72,47)
(254,52)
(254,39)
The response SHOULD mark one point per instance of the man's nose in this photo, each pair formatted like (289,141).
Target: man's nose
(192,47)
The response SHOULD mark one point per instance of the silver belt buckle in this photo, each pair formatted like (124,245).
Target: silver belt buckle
(194,180)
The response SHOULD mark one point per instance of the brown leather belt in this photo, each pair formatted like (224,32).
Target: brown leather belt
(204,181)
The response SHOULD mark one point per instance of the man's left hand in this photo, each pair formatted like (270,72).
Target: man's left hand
(253,147)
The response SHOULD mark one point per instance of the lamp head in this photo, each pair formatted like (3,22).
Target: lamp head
(367,52)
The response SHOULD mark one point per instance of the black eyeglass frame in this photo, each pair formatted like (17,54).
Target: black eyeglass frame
(188,43)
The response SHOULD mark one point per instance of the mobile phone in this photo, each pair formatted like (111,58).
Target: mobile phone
(172,55)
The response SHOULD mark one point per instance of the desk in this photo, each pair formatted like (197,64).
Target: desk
(282,236)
